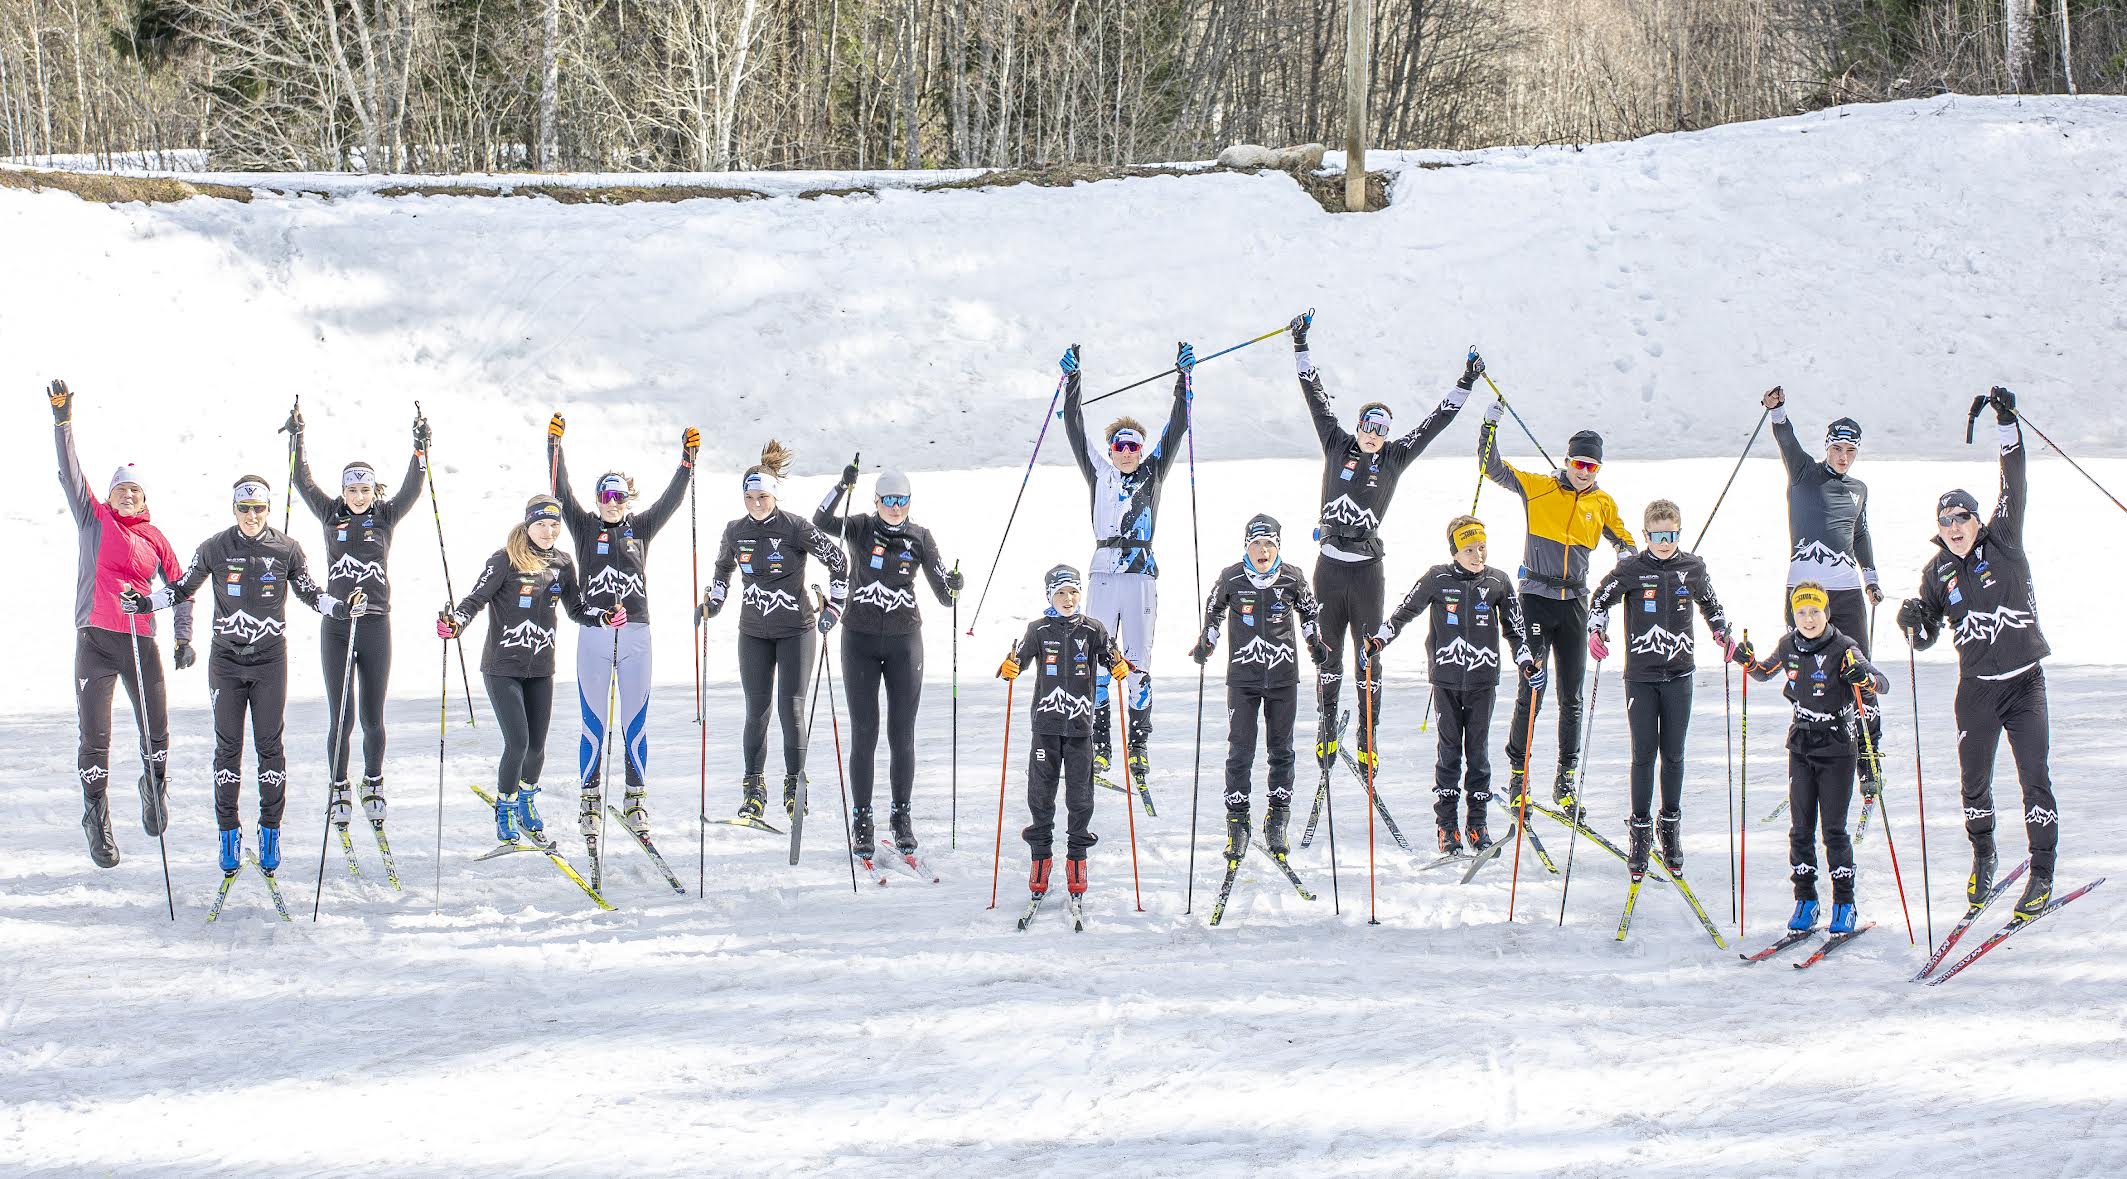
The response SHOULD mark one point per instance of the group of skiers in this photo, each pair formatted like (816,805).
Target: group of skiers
(1093,638)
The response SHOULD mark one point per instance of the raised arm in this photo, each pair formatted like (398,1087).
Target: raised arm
(2008,521)
(314,497)
(1333,437)
(1170,443)
(1497,469)
(410,488)
(574,514)
(79,499)
(1075,419)
(827,518)
(1796,459)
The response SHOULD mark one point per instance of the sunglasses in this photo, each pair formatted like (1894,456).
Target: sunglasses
(1125,445)
(613,497)
(893,501)
(1665,536)
(253,509)
(1585,466)
(1951,519)
(1377,429)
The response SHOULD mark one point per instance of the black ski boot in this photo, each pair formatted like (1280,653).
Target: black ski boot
(860,832)
(1236,835)
(1562,792)
(1275,817)
(753,797)
(2038,889)
(1640,841)
(903,825)
(154,805)
(1476,836)
(1981,881)
(1104,745)
(790,797)
(1517,785)
(1871,780)
(1326,735)
(1139,728)
(1665,829)
(1450,840)
(96,824)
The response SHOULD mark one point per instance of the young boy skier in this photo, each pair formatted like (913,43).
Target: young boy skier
(1471,606)
(1263,596)
(1071,656)
(1823,668)
(1658,588)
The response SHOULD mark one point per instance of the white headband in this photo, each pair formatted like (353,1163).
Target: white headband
(1126,434)
(249,492)
(612,483)
(1381,415)
(763,481)
(354,476)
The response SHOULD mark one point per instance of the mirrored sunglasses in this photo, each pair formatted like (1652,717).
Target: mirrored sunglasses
(1586,466)
(1948,519)
(253,509)
(893,501)
(615,496)
(1665,536)
(1377,429)
(1124,445)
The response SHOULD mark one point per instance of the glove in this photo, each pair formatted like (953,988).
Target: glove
(1494,412)
(447,625)
(1069,363)
(1009,669)
(830,613)
(1382,637)
(1598,646)
(849,477)
(1298,326)
(1774,398)
(1533,672)
(555,425)
(1318,650)
(1875,593)
(616,617)
(1913,615)
(332,608)
(1184,357)
(1472,369)
(62,401)
(422,434)
(714,603)
(1202,651)
(184,657)
(690,442)
(1855,672)
(358,604)
(954,582)
(132,601)
(294,424)
(1120,670)
(2004,403)
(1742,654)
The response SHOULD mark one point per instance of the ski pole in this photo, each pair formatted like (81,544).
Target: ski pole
(1276,331)
(1872,626)
(1868,749)
(1743,804)
(605,761)
(443,725)
(1521,805)
(1196,555)
(1129,800)
(1509,406)
(834,723)
(1728,744)
(2021,417)
(428,467)
(991,579)
(1484,460)
(701,715)
(288,492)
(335,753)
(1573,839)
(1004,770)
(1336,896)
(694,574)
(1733,472)
(147,759)
(956,712)
(1366,711)
(1920,793)
(812,713)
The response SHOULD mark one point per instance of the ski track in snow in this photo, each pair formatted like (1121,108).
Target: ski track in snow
(784,1026)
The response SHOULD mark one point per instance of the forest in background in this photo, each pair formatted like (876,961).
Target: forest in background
(707,85)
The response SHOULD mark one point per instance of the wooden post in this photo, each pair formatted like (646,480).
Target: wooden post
(1356,54)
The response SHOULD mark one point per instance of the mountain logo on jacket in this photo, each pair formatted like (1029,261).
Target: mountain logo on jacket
(884,597)
(1260,650)
(616,582)
(245,627)
(770,601)
(1061,703)
(1983,626)
(527,636)
(1342,510)
(1663,644)
(350,568)
(1462,654)
(1816,552)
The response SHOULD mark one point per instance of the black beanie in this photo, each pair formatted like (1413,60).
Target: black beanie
(1585,445)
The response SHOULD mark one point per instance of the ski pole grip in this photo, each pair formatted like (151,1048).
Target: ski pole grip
(1978,403)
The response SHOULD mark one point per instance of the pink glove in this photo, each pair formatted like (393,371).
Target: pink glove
(617,616)
(445,628)
(1597,646)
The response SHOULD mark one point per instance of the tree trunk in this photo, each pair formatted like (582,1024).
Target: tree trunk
(549,84)
(1356,56)
(2021,26)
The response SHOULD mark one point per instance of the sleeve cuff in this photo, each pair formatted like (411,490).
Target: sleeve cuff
(1456,396)
(1779,414)
(1869,576)
(1303,361)
(2011,435)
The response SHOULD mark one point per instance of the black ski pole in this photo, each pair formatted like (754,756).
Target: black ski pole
(2071,461)
(428,467)
(335,755)
(443,726)
(1329,800)
(956,711)
(1728,732)
(834,724)
(1196,551)
(1580,809)
(288,493)
(1920,791)
(1276,331)
(991,579)
(701,717)
(812,713)
(1733,472)
(147,760)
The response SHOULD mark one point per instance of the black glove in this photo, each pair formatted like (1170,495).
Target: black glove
(1318,651)
(1472,369)
(1912,614)
(849,477)
(132,601)
(1856,672)
(62,402)
(2004,403)
(183,656)
(1743,654)
(1875,593)
(422,434)
(1298,328)
(294,424)
(955,582)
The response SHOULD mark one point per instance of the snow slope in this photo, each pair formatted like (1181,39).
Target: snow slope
(1886,261)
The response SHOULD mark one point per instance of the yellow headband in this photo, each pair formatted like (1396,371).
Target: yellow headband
(1809,595)
(1468,535)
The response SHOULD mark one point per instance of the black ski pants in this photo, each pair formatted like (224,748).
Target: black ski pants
(1660,714)
(1351,595)
(1055,756)
(1985,709)
(1461,764)
(372,675)
(261,690)
(896,662)
(1820,788)
(523,706)
(775,671)
(1558,628)
(1275,708)
(101,659)
(1849,611)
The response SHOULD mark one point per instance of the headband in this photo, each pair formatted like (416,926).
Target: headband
(763,481)
(1381,415)
(1126,434)
(1808,595)
(251,491)
(542,509)
(616,482)
(1061,577)
(1467,535)
(357,474)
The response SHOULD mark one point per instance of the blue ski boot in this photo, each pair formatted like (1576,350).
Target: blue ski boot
(1844,918)
(1805,916)
(506,818)
(269,850)
(528,815)
(232,850)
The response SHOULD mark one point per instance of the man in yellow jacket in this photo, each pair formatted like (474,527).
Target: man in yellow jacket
(1567,514)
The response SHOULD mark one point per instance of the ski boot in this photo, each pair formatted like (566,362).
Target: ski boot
(1236,835)
(1075,875)
(753,797)
(903,825)
(589,806)
(340,804)
(1325,744)
(1140,768)
(1476,836)
(635,809)
(1275,819)
(1369,762)
(1981,881)
(1871,778)
(527,814)
(1844,917)
(1101,766)
(1640,842)
(1038,876)
(860,832)
(1450,841)
(1562,793)
(96,824)
(232,843)
(506,818)
(1805,915)
(269,850)
(373,801)
(154,804)
(2038,889)
(790,796)
(1665,829)
(1517,786)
